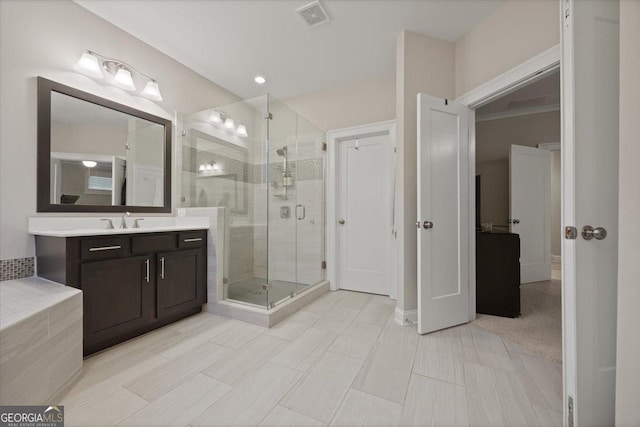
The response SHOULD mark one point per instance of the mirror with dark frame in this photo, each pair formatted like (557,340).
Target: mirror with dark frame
(95,155)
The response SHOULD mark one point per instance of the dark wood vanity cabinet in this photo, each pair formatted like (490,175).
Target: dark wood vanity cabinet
(131,283)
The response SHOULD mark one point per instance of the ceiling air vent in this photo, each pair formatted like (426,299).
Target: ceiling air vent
(524,103)
(314,14)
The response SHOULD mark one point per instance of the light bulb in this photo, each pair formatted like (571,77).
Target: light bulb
(209,166)
(123,80)
(152,91)
(215,117)
(260,80)
(215,166)
(201,168)
(229,124)
(88,65)
(89,163)
(242,130)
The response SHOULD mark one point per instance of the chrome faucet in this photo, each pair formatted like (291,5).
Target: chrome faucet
(123,224)
(136,222)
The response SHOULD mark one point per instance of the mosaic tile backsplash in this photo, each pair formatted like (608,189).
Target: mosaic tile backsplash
(17,268)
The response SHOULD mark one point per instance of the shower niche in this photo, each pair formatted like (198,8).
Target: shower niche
(261,165)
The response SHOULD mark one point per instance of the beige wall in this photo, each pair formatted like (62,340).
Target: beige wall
(424,64)
(494,191)
(628,351)
(357,103)
(516,32)
(46,38)
(495,137)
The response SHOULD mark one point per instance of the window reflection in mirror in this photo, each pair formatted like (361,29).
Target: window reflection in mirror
(104,157)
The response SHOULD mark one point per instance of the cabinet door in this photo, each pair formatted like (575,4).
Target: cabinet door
(181,281)
(118,296)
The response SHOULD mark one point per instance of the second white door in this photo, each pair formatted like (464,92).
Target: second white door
(364,214)
(530,210)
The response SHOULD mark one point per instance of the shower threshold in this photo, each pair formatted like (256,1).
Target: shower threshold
(260,315)
(252,291)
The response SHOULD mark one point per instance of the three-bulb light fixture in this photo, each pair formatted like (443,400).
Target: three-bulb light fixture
(210,167)
(228,124)
(92,64)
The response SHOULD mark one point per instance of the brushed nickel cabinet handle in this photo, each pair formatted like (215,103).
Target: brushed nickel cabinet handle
(105,248)
(147,276)
(193,239)
(162,267)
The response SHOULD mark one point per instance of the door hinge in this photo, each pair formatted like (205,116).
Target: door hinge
(570,233)
(567,11)
(268,116)
(324,265)
(570,412)
(324,146)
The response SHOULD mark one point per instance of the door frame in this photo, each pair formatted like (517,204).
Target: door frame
(527,72)
(334,137)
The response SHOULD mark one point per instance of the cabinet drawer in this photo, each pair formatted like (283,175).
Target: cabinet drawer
(104,247)
(192,239)
(153,242)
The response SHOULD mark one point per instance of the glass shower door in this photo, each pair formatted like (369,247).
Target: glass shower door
(296,205)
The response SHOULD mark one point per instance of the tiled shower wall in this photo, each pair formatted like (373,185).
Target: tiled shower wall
(295,247)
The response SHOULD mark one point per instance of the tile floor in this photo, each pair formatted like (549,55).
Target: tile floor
(342,361)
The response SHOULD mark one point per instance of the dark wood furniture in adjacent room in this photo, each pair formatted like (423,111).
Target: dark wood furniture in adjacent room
(498,274)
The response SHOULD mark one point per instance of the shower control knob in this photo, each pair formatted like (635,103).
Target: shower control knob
(341,222)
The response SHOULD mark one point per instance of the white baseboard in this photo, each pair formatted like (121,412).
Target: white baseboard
(406,317)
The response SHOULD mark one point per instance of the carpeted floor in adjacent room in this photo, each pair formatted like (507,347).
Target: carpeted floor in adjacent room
(539,328)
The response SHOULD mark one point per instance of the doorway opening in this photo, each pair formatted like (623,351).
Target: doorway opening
(518,223)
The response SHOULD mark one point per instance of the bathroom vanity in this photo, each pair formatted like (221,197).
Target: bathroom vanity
(132,280)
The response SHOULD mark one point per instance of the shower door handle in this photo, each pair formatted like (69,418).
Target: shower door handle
(304,212)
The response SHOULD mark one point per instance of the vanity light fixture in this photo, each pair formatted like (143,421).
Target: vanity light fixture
(229,124)
(215,117)
(260,80)
(208,167)
(88,65)
(152,91)
(93,64)
(242,130)
(124,80)
(89,163)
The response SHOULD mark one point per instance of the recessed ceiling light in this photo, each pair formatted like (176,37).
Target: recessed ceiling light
(260,80)
(89,163)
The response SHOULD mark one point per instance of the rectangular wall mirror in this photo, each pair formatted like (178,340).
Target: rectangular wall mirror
(95,155)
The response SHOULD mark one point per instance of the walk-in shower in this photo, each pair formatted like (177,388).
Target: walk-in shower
(267,179)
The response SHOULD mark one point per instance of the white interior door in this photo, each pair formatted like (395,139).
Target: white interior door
(530,210)
(364,221)
(443,214)
(590,102)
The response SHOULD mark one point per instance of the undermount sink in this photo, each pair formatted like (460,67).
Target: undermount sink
(91,226)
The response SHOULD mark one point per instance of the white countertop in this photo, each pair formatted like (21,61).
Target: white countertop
(93,226)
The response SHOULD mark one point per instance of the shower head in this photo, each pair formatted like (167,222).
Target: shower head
(282,151)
